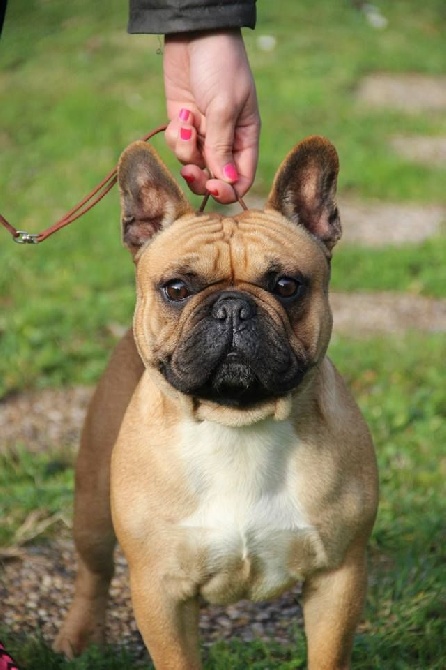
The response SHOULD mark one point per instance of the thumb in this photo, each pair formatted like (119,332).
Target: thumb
(218,146)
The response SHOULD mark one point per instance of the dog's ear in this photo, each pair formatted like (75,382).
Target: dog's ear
(304,189)
(150,197)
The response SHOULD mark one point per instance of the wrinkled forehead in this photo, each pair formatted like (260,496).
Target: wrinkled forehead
(242,247)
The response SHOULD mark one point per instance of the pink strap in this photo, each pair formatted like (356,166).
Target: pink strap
(6,661)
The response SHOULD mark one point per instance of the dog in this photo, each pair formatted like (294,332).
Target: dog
(240,463)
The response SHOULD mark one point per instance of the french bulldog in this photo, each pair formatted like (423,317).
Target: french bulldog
(222,447)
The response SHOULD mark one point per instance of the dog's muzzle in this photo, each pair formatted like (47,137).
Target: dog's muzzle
(234,354)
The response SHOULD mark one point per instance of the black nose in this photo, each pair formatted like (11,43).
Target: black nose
(234,307)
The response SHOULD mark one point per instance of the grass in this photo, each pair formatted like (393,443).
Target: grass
(75,90)
(418,269)
(37,493)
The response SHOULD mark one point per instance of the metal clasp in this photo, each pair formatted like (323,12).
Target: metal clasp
(22,237)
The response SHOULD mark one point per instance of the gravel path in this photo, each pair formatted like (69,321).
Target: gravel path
(36,589)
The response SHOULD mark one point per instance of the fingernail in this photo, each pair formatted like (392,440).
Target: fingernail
(185,133)
(230,172)
(184,114)
(189,178)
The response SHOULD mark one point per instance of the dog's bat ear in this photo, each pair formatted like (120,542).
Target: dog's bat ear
(304,189)
(150,198)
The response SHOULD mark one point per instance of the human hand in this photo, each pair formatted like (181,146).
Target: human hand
(212,108)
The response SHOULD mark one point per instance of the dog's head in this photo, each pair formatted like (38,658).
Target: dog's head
(232,311)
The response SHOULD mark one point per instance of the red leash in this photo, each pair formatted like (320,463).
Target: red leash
(84,206)
(90,200)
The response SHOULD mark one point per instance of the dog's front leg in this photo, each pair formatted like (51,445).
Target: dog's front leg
(333,603)
(169,627)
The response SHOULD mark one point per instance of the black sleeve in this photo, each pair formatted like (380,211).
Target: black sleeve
(2,13)
(181,16)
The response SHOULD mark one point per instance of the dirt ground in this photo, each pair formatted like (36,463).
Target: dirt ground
(36,581)
(410,92)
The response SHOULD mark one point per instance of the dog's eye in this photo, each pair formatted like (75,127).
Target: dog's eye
(176,290)
(287,287)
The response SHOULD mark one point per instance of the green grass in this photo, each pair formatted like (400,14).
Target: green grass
(37,493)
(418,269)
(75,91)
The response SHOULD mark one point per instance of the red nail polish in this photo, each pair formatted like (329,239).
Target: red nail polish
(230,172)
(185,133)
(184,114)
(189,178)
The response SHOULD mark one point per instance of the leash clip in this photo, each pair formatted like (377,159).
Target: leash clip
(22,237)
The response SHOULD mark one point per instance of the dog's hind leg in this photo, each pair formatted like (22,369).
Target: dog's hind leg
(94,536)
(333,603)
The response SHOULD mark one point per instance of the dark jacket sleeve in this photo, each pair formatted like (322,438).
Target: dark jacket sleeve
(2,13)
(180,16)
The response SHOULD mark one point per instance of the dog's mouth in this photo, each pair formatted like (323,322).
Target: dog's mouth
(234,384)
(237,382)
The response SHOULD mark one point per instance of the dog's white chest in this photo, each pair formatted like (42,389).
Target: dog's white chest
(248,515)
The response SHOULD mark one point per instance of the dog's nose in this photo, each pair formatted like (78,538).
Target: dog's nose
(234,307)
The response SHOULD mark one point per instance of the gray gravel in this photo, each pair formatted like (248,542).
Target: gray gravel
(36,589)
